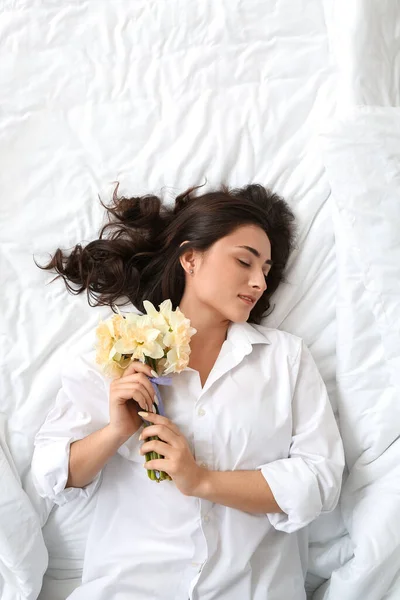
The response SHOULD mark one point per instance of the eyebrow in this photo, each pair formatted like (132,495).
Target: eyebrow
(256,253)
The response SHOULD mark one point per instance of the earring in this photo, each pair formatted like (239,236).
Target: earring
(191,271)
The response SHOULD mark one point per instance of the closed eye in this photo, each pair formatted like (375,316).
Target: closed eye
(247,265)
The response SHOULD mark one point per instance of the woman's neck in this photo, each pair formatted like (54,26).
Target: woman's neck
(211,329)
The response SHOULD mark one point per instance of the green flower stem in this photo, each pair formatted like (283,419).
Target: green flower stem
(151,473)
(154,455)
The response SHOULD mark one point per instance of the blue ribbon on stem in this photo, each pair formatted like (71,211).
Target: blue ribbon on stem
(156,381)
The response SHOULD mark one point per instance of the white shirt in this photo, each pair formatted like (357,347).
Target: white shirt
(264,406)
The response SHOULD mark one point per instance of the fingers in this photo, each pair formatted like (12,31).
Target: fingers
(157,446)
(159,420)
(159,464)
(137,392)
(164,433)
(144,381)
(137,367)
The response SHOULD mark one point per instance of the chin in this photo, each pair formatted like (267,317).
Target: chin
(239,317)
(236,315)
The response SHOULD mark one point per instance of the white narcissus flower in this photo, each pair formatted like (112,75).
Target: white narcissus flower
(160,319)
(113,369)
(105,342)
(180,328)
(162,335)
(177,359)
(178,340)
(107,333)
(140,339)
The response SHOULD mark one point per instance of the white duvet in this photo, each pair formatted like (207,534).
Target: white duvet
(299,96)
(362,155)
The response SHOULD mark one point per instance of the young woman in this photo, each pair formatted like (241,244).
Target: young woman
(249,437)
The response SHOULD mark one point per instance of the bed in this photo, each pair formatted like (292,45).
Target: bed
(303,97)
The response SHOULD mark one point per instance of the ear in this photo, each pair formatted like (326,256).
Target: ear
(187,259)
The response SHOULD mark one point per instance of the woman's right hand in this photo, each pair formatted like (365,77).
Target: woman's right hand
(128,394)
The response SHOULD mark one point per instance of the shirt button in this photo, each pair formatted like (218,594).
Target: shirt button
(204,465)
(201,412)
(206,519)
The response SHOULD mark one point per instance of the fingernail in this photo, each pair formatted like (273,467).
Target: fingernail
(143,414)
(154,410)
(156,400)
(154,373)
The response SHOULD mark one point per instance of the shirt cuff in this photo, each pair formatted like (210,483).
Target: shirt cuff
(130,450)
(50,464)
(296,491)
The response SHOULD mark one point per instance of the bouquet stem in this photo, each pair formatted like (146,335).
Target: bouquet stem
(153,474)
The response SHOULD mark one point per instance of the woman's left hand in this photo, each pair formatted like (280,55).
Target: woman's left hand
(178,459)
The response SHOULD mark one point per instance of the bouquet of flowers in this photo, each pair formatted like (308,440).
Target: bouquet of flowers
(159,339)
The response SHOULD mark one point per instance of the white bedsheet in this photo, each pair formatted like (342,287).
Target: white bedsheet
(23,554)
(160,95)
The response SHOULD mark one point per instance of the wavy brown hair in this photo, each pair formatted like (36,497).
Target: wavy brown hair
(138,259)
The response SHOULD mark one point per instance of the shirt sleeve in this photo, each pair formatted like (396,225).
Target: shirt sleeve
(308,482)
(80,408)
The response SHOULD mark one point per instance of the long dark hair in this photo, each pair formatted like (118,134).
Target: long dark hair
(139,259)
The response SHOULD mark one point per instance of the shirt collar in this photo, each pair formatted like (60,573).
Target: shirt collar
(244,335)
(239,343)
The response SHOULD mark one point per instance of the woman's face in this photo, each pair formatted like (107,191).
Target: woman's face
(227,271)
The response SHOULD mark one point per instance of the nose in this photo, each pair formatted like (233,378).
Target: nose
(259,282)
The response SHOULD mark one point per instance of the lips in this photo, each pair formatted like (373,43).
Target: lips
(247,299)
